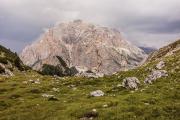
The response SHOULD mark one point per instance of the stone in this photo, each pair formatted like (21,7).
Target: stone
(160,65)
(131,83)
(34,81)
(25,82)
(97,93)
(47,95)
(119,85)
(105,106)
(55,89)
(90,115)
(155,75)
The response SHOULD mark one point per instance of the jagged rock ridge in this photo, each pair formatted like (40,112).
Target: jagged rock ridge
(81,44)
(9,61)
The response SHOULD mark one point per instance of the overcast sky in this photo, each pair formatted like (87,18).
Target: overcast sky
(152,23)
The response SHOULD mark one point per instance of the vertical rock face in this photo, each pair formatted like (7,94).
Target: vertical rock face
(82,44)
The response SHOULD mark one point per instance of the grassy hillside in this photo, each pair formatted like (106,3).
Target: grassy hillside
(6,57)
(21,96)
(164,50)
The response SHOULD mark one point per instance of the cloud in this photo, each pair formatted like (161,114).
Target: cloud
(142,21)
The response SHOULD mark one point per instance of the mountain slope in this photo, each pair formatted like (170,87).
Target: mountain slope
(165,51)
(36,97)
(9,61)
(84,45)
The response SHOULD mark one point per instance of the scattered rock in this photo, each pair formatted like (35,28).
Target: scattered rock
(94,110)
(119,85)
(25,82)
(84,72)
(160,65)
(72,86)
(146,103)
(47,95)
(131,83)
(105,106)
(97,93)
(32,81)
(52,99)
(155,75)
(55,89)
(90,115)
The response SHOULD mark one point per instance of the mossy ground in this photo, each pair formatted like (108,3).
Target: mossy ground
(158,101)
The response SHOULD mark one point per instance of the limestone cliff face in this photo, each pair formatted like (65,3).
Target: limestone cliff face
(82,44)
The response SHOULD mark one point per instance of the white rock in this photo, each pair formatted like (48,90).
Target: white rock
(25,82)
(97,93)
(35,81)
(119,85)
(47,95)
(56,89)
(94,110)
(105,106)
(160,65)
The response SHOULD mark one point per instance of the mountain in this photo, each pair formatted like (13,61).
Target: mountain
(83,45)
(9,61)
(148,92)
(165,51)
(148,50)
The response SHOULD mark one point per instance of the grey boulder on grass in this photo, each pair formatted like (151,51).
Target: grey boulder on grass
(131,83)
(97,93)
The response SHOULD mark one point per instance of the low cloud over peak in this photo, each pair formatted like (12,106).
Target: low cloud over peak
(151,23)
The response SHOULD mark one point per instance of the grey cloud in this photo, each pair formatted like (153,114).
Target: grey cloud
(22,21)
(164,27)
(156,25)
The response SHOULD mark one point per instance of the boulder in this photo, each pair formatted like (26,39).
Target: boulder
(97,93)
(155,75)
(47,95)
(160,65)
(131,83)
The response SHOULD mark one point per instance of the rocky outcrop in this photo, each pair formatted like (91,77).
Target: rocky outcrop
(155,75)
(165,51)
(5,71)
(82,44)
(84,72)
(131,83)
(10,60)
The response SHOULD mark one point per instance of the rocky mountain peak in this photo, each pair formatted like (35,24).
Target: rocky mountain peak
(80,43)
